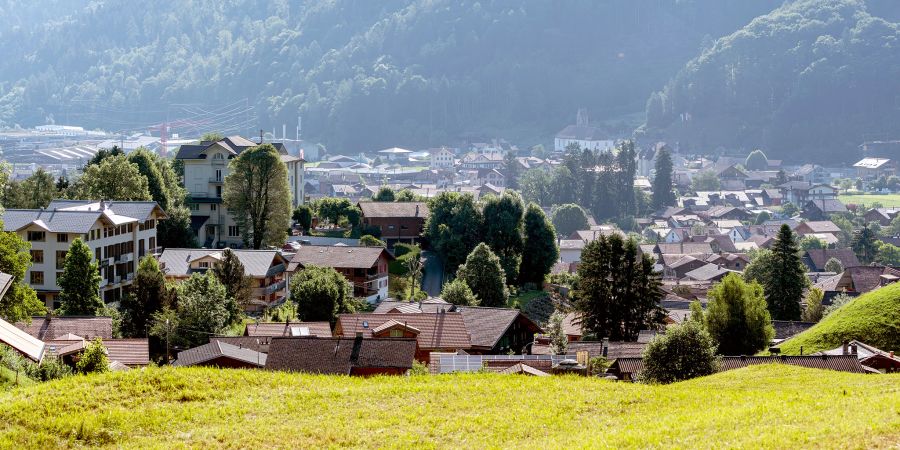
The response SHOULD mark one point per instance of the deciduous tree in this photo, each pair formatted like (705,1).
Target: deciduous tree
(231,273)
(483,273)
(258,197)
(115,178)
(457,292)
(321,293)
(19,302)
(568,218)
(148,295)
(453,227)
(737,318)
(686,351)
(502,231)
(540,251)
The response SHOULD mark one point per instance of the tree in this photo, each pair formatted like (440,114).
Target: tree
(558,339)
(321,293)
(618,291)
(696,313)
(811,243)
(686,351)
(176,230)
(231,273)
(453,227)
(384,194)
(625,169)
(336,210)
(535,185)
(93,359)
(789,210)
(115,178)
(865,244)
(257,195)
(563,186)
(756,160)
(762,218)
(511,169)
(539,251)
(202,309)
(407,195)
(705,181)
(737,318)
(782,275)
(457,292)
(103,154)
(80,282)
(367,240)
(502,230)
(814,308)
(483,273)
(888,254)
(834,265)
(662,180)
(303,216)
(836,303)
(34,192)
(568,218)
(20,301)
(148,295)
(145,161)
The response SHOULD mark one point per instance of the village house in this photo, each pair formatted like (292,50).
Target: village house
(442,158)
(355,356)
(117,233)
(882,216)
(869,356)
(434,332)
(815,259)
(869,169)
(396,221)
(221,354)
(366,268)
(265,267)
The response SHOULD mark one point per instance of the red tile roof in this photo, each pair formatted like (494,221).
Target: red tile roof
(49,328)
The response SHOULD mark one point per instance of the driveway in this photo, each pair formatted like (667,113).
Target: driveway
(433,278)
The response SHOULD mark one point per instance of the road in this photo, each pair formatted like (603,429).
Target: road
(433,279)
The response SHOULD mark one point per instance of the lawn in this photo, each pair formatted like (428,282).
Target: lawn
(772,406)
(886,200)
(521,301)
(8,378)
(873,318)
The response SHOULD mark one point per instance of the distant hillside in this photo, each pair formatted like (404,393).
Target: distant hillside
(230,408)
(363,74)
(873,318)
(811,80)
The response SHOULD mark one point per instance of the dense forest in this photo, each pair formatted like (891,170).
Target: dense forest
(363,74)
(811,80)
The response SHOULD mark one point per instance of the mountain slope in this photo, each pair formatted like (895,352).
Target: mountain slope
(813,77)
(362,74)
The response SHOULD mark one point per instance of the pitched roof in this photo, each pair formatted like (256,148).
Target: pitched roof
(867,278)
(583,133)
(437,330)
(255,343)
(487,325)
(339,355)
(821,226)
(21,341)
(233,144)
(49,328)
(338,257)
(429,305)
(130,352)
(140,210)
(177,261)
(393,323)
(707,272)
(819,257)
(827,206)
(785,329)
(218,349)
(394,209)
(615,349)
(524,369)
(277,329)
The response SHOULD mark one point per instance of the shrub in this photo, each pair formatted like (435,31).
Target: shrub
(418,369)
(457,292)
(94,359)
(686,351)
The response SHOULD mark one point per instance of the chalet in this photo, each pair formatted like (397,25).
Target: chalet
(356,356)
(123,354)
(492,160)
(822,209)
(815,259)
(396,221)
(47,328)
(731,213)
(708,272)
(22,342)
(883,216)
(434,332)
(858,280)
(366,268)
(265,268)
(810,173)
(817,227)
(498,331)
(872,168)
(221,354)
(732,177)
(681,265)
(731,261)
(800,192)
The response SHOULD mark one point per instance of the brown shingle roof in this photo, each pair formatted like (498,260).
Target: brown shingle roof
(337,257)
(394,209)
(48,328)
(255,343)
(273,329)
(818,257)
(130,352)
(437,330)
(487,325)
(616,350)
(339,355)
(216,349)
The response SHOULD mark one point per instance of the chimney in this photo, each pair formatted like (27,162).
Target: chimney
(844,348)
(417,210)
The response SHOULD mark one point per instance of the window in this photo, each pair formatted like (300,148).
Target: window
(218,174)
(194,206)
(212,206)
(218,156)
(60,259)
(219,191)
(37,277)
(396,333)
(36,236)
(234,231)
(203,264)
(62,237)
(37,256)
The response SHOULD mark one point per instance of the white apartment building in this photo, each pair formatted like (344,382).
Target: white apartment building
(443,159)
(118,234)
(205,169)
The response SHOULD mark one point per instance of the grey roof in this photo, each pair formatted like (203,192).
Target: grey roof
(487,325)
(583,132)
(233,144)
(141,210)
(707,272)
(338,257)
(218,349)
(394,209)
(55,221)
(6,281)
(21,341)
(340,355)
(256,262)
(48,328)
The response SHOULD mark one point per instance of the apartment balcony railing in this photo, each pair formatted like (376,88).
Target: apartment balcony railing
(273,288)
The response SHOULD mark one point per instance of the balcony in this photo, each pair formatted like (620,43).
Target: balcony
(124,258)
(275,287)
(117,279)
(275,270)
(104,282)
(215,180)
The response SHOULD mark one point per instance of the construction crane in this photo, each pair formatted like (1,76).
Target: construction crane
(164,128)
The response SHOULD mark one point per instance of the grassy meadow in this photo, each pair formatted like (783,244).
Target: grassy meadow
(873,318)
(772,406)
(886,200)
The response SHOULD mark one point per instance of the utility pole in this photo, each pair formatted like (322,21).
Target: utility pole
(167,341)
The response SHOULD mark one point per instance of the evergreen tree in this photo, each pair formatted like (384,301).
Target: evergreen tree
(257,195)
(605,201)
(483,273)
(563,186)
(865,244)
(540,251)
(321,293)
(146,164)
(457,292)
(20,302)
(625,170)
(662,180)
(834,265)
(558,339)
(453,227)
(568,218)
(782,275)
(686,351)
(502,230)
(148,295)
(80,282)
(384,194)
(737,318)
(618,291)
(511,169)
(231,273)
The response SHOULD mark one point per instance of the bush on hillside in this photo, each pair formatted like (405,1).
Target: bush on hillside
(686,351)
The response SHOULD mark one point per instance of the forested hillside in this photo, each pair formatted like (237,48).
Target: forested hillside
(812,79)
(362,74)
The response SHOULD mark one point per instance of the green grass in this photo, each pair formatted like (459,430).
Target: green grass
(523,298)
(873,318)
(772,406)
(886,200)
(8,378)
